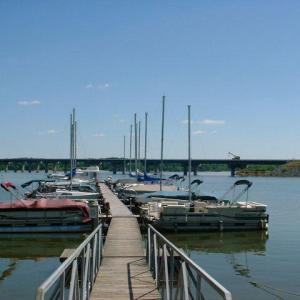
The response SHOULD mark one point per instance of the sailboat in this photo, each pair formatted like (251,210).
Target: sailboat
(50,190)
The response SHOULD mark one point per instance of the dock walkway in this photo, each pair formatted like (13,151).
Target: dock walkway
(124,272)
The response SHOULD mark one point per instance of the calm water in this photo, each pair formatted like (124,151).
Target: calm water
(254,265)
(251,265)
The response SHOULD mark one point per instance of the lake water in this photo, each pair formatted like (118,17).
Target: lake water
(252,265)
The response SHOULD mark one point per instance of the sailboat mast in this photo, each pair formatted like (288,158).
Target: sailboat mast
(139,146)
(124,166)
(189,151)
(146,125)
(75,145)
(135,145)
(130,149)
(162,141)
(71,147)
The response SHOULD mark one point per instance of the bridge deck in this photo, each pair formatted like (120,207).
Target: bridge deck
(124,273)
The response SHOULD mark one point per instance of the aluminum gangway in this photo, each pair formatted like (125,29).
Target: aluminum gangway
(122,269)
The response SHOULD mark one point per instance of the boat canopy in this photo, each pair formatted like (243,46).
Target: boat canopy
(48,204)
(198,181)
(7,185)
(28,183)
(243,182)
(237,196)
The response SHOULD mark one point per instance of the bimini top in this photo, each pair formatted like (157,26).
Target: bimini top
(243,182)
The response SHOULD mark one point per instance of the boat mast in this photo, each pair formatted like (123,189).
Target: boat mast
(71,148)
(189,151)
(74,140)
(135,145)
(130,150)
(124,166)
(145,163)
(162,141)
(139,146)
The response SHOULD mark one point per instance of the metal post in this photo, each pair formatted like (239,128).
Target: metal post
(185,281)
(75,145)
(146,125)
(139,146)
(198,288)
(166,272)
(149,248)
(189,151)
(162,141)
(74,139)
(124,163)
(130,149)
(71,148)
(135,146)
(155,260)
(73,280)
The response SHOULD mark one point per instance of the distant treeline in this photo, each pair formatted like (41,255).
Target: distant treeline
(174,167)
(290,169)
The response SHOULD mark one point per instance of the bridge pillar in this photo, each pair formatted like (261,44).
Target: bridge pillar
(232,171)
(23,168)
(195,169)
(29,167)
(185,169)
(114,168)
(46,167)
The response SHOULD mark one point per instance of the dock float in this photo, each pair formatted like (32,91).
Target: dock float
(124,272)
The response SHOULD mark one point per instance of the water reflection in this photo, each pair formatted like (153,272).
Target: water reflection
(9,269)
(35,247)
(222,242)
(14,251)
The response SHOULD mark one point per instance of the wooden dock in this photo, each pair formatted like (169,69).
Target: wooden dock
(124,272)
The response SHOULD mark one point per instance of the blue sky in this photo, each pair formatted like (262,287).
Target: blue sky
(237,63)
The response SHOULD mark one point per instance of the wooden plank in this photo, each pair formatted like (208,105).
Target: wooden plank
(124,272)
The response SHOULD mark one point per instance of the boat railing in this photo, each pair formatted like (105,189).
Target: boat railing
(176,275)
(74,278)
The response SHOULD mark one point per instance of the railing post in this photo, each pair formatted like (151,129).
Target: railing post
(100,247)
(82,291)
(73,280)
(94,257)
(198,288)
(171,272)
(166,271)
(185,281)
(155,259)
(62,286)
(149,247)
(86,258)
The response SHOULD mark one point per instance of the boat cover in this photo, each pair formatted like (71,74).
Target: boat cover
(48,204)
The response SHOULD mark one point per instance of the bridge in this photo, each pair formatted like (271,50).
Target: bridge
(117,164)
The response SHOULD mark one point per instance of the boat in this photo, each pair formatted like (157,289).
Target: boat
(59,190)
(173,194)
(209,215)
(44,215)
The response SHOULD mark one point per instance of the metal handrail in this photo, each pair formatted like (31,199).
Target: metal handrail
(87,256)
(185,265)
